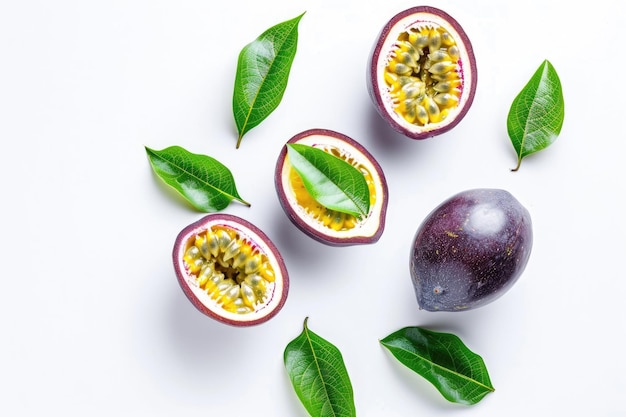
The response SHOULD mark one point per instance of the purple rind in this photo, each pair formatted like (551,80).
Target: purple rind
(470,250)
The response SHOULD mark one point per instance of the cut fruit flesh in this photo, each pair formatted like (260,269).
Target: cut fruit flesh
(230,271)
(424,75)
(422,72)
(325,225)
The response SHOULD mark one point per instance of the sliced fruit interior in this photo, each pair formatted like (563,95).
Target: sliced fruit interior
(328,218)
(424,75)
(231,269)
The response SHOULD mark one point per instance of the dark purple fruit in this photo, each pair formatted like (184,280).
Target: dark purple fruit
(230,270)
(422,72)
(470,250)
(322,224)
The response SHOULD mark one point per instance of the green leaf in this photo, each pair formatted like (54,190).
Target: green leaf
(319,376)
(536,115)
(458,373)
(207,184)
(262,74)
(330,180)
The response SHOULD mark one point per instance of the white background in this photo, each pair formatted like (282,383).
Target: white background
(93,321)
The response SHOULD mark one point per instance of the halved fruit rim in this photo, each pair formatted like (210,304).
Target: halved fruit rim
(200,299)
(370,229)
(379,90)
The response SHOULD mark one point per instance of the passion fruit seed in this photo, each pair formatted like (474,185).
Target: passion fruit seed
(328,218)
(423,74)
(231,269)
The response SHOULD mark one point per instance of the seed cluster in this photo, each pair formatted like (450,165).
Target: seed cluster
(230,268)
(328,218)
(423,75)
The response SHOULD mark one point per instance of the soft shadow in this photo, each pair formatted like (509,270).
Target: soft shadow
(482,329)
(383,140)
(199,341)
(458,322)
(296,246)
(391,148)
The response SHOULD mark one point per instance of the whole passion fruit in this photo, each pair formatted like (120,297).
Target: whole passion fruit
(470,250)
(323,224)
(422,72)
(230,270)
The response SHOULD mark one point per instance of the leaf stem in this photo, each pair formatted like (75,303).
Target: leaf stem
(244,202)
(519,163)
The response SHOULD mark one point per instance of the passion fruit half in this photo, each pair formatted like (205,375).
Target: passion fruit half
(322,224)
(422,72)
(230,270)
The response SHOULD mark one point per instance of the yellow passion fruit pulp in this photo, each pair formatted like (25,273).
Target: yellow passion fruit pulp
(230,270)
(422,72)
(323,224)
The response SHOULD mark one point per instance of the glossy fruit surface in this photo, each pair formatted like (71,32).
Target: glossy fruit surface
(422,74)
(230,270)
(470,250)
(322,224)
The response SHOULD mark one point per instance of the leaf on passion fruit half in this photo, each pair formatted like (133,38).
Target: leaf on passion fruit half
(262,73)
(331,181)
(326,225)
(319,376)
(203,181)
(459,374)
(536,115)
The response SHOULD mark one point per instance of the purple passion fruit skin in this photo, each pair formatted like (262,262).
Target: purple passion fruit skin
(421,73)
(324,225)
(470,250)
(230,270)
